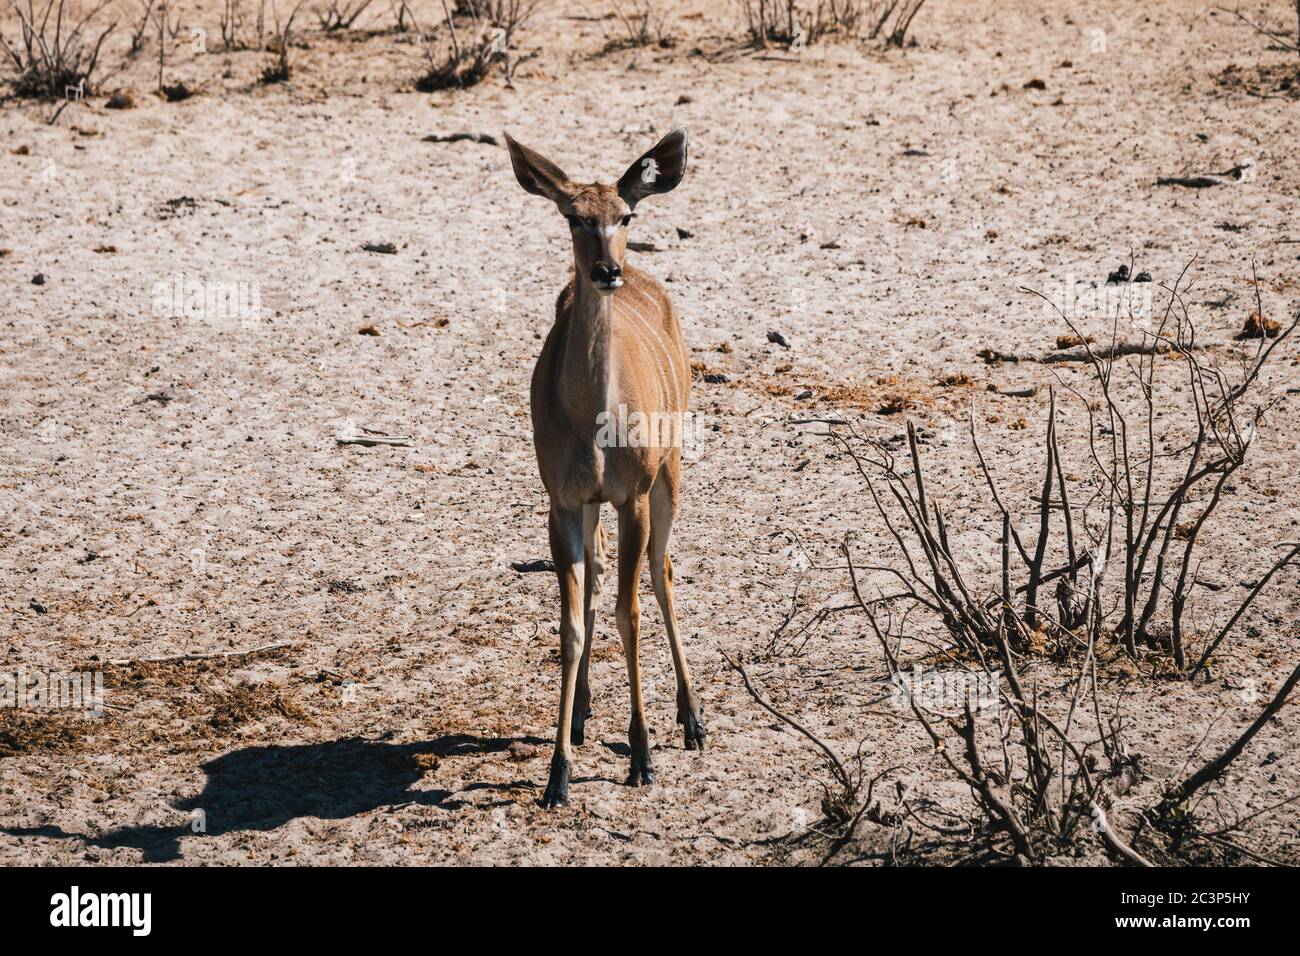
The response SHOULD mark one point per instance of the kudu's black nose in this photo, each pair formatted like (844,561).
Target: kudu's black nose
(605,272)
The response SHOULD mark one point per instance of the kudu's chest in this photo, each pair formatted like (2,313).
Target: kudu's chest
(609,397)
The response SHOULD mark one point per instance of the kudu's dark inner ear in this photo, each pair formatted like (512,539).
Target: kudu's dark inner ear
(657,171)
(537,174)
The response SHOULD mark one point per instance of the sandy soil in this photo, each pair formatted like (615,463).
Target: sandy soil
(881,210)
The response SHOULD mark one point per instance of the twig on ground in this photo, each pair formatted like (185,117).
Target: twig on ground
(1102,825)
(1080,353)
(532,567)
(176,658)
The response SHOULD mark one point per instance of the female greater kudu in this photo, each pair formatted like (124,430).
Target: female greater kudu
(615,351)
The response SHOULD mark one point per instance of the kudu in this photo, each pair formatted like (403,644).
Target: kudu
(615,351)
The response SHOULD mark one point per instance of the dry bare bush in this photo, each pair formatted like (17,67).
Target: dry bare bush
(167,28)
(793,24)
(402,16)
(234,26)
(1150,499)
(771,22)
(1048,783)
(892,19)
(231,21)
(484,38)
(1124,562)
(643,24)
(58,51)
(279,70)
(140,27)
(1274,35)
(341,14)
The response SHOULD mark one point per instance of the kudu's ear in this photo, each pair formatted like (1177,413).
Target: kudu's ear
(539,175)
(658,171)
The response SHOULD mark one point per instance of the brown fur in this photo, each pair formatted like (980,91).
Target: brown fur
(614,350)
(638,336)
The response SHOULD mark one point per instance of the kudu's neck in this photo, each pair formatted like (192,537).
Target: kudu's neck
(589,378)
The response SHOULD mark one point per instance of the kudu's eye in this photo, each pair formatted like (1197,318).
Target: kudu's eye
(574,221)
(627,219)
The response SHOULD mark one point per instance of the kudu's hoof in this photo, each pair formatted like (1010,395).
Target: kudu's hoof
(693,730)
(557,787)
(578,728)
(643,774)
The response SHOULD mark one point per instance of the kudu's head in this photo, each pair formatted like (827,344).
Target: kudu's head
(599,214)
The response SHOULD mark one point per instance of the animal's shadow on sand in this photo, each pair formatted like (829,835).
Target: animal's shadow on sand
(262,788)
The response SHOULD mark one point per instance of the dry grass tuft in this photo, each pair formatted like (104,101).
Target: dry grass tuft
(484,38)
(58,52)
(1281,80)
(51,734)
(1258,327)
(896,403)
(1070,340)
(425,763)
(248,703)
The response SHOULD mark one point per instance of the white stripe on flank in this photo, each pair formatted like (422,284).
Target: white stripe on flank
(660,343)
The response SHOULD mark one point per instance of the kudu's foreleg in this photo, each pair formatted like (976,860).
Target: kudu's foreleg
(633,533)
(593,536)
(566,551)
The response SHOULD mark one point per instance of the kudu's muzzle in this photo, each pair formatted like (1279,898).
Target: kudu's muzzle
(606,276)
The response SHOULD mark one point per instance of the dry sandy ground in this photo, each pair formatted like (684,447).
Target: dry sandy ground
(880,209)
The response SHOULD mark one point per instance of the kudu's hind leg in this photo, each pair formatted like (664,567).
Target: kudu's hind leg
(566,551)
(663,508)
(633,532)
(593,536)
